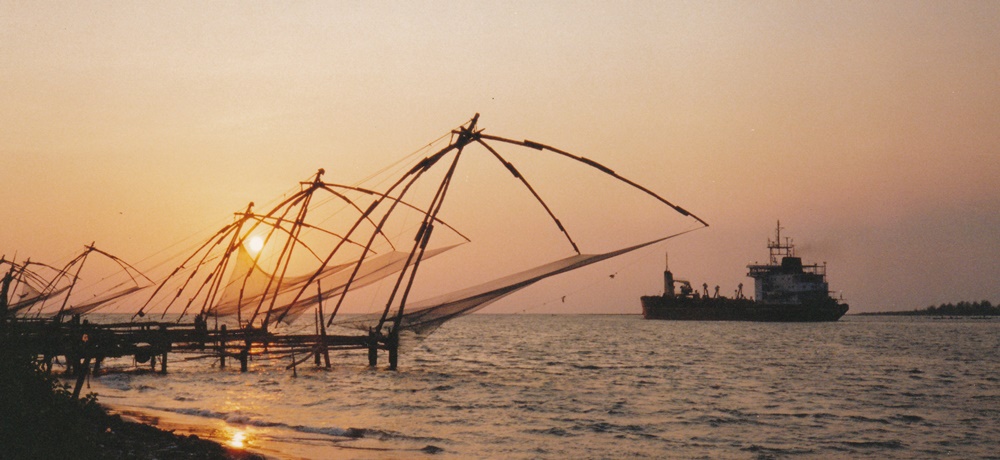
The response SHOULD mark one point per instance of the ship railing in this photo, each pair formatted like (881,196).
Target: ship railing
(818,269)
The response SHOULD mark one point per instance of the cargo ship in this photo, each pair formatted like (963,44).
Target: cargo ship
(785,291)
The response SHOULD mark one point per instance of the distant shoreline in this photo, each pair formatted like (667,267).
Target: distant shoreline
(983,309)
(922,314)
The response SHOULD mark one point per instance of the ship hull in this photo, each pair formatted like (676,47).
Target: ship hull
(723,309)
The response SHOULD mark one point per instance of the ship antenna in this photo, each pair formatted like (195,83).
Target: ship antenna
(779,247)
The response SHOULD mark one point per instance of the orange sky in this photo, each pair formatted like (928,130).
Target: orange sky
(871,129)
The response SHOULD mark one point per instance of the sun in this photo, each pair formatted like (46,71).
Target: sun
(255,243)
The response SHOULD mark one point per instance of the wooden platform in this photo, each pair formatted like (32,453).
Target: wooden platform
(84,346)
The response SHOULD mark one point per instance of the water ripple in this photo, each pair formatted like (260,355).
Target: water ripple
(586,387)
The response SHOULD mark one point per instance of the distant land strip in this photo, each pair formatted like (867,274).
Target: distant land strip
(984,308)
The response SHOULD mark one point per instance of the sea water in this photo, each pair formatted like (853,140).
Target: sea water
(536,386)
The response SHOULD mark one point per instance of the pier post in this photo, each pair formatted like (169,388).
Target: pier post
(372,348)
(319,320)
(244,357)
(393,358)
(322,328)
(164,341)
(200,330)
(392,343)
(221,346)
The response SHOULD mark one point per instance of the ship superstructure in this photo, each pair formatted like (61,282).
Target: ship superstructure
(785,280)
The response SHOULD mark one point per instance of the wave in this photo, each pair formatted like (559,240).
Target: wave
(861,418)
(121,382)
(558,432)
(894,444)
(241,418)
(769,452)
(906,418)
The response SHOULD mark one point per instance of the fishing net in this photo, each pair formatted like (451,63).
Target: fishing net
(422,318)
(101,301)
(28,295)
(253,282)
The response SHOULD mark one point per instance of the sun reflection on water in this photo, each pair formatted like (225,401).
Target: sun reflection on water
(238,439)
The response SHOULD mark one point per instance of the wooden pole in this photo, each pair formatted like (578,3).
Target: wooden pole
(322,328)
(316,352)
(221,346)
(83,259)
(245,354)
(372,348)
(244,358)
(392,343)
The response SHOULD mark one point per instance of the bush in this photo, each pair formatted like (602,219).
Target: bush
(38,416)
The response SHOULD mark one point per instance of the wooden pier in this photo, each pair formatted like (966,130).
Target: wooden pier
(84,346)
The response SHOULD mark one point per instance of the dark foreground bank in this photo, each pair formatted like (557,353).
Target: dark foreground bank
(39,419)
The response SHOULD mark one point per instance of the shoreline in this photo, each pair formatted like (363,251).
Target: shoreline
(189,427)
(133,437)
(255,442)
(263,442)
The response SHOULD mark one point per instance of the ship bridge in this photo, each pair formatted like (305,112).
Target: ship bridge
(790,281)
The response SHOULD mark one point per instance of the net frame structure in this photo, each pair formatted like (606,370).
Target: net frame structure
(399,314)
(220,278)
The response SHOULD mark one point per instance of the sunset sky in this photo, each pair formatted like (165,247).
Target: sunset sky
(870,129)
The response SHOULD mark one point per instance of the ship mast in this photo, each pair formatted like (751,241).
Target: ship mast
(776,248)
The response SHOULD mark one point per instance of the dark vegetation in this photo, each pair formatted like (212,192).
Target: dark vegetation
(39,419)
(984,308)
